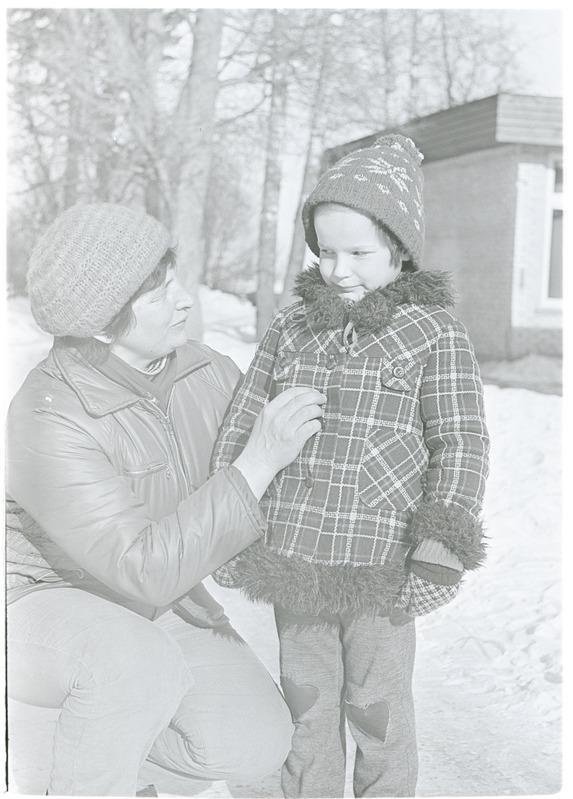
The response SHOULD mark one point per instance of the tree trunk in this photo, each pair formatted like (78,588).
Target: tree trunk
(72,170)
(196,135)
(154,201)
(413,75)
(269,213)
(74,148)
(311,169)
(298,246)
(388,76)
(448,76)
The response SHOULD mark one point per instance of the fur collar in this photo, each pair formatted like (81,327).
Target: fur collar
(326,310)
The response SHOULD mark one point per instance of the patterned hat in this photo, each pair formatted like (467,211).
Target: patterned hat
(89,263)
(384,182)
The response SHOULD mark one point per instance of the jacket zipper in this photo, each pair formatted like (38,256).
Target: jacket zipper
(165,419)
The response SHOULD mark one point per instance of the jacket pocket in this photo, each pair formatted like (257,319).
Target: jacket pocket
(145,469)
(392,469)
(400,374)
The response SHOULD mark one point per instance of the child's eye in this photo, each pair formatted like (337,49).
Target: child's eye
(359,253)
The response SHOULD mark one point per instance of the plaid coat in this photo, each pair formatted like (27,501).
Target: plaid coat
(402,454)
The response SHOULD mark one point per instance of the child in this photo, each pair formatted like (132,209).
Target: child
(378,518)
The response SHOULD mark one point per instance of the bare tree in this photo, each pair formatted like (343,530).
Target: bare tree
(130,105)
(272,183)
(195,127)
(316,135)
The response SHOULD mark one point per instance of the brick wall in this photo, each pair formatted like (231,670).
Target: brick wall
(486,223)
(470,218)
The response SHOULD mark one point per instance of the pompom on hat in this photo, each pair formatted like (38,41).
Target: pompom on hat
(89,263)
(385,182)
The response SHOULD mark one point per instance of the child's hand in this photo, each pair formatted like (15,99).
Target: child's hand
(418,597)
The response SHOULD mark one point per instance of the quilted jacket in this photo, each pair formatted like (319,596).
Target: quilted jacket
(109,493)
(402,454)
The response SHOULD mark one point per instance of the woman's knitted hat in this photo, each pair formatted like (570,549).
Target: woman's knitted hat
(89,263)
(384,182)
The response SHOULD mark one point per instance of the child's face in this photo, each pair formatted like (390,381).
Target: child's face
(354,255)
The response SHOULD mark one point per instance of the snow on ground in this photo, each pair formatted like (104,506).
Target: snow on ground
(488,678)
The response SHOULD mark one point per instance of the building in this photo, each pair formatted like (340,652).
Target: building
(493,193)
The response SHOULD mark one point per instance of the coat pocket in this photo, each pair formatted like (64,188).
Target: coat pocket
(392,469)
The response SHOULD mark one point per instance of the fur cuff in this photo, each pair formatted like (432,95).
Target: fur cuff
(311,588)
(454,527)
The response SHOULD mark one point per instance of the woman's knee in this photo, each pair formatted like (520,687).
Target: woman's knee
(130,656)
(270,749)
(263,746)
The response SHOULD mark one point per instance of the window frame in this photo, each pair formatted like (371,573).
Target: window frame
(554,203)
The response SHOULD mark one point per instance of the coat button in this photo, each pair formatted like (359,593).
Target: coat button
(331,361)
(284,360)
(308,481)
(398,371)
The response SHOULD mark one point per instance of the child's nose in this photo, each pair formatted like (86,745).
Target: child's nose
(340,266)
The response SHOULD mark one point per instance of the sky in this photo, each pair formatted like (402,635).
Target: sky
(540,59)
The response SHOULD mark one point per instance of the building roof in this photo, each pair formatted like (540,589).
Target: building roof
(489,122)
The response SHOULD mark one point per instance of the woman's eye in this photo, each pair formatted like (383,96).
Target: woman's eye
(326,253)
(159,296)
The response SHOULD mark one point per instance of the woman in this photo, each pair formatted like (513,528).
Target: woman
(113,520)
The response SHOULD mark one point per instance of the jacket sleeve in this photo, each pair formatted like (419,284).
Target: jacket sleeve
(59,473)
(251,396)
(457,440)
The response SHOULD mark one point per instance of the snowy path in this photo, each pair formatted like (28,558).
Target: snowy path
(487,679)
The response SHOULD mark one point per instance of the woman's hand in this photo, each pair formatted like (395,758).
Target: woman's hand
(278,435)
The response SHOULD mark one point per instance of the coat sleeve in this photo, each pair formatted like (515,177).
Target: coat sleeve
(59,473)
(252,394)
(457,440)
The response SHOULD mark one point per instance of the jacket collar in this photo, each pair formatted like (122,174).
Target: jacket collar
(100,394)
(326,310)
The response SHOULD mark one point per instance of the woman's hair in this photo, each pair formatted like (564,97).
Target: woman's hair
(397,252)
(97,351)
(124,319)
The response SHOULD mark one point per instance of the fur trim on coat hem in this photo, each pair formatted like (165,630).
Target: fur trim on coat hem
(311,588)
(454,527)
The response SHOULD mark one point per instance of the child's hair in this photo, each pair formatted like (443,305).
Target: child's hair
(398,254)
(97,351)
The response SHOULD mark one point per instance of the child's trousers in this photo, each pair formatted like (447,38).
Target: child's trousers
(357,668)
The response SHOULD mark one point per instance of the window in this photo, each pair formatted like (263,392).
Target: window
(553,289)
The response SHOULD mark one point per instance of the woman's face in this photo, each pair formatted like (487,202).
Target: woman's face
(160,316)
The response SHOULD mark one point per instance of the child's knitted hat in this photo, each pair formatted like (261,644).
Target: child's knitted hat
(89,263)
(384,182)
